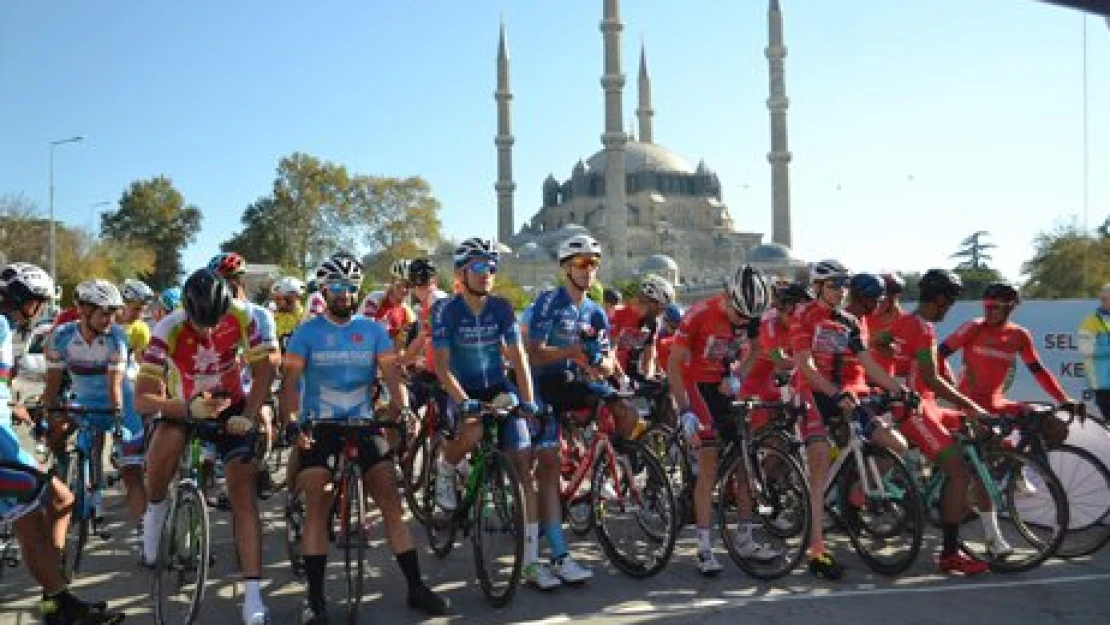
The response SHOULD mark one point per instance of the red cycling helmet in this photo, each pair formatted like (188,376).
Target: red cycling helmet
(228,264)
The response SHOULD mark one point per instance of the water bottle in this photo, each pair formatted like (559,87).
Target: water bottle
(690,426)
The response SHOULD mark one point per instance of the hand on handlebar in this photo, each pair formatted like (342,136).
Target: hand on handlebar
(846,401)
(205,406)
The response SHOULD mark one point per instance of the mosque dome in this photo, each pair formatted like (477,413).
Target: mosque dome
(769,253)
(659,264)
(644,157)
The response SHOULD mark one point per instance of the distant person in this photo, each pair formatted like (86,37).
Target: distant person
(1094,346)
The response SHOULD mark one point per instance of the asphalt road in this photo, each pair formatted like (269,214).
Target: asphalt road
(1059,592)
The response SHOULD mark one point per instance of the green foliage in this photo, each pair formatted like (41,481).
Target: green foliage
(977,279)
(317,208)
(627,288)
(1067,262)
(509,289)
(153,214)
(974,251)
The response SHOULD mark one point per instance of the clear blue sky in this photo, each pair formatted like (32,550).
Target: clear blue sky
(912,123)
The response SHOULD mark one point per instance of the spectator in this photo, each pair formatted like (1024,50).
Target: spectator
(1094,345)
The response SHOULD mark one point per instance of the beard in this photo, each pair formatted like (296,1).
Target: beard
(341,310)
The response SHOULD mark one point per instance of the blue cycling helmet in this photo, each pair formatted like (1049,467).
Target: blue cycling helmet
(170,299)
(672,314)
(866,285)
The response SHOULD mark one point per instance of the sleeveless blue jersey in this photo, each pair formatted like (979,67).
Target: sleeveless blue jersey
(475,340)
(340,365)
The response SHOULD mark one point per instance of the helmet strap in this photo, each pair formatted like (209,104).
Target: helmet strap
(574,282)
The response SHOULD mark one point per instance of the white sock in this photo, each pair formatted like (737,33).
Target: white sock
(990,524)
(153,519)
(705,542)
(531,543)
(252,596)
(445,469)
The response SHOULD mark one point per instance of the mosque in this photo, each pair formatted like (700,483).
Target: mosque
(651,209)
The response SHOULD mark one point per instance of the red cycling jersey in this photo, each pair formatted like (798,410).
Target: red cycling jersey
(835,338)
(631,333)
(928,427)
(989,354)
(712,340)
(881,347)
(774,344)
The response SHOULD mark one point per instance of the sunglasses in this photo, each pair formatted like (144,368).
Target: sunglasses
(482,266)
(998,303)
(585,262)
(839,282)
(339,288)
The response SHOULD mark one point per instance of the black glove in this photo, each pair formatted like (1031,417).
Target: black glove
(753,328)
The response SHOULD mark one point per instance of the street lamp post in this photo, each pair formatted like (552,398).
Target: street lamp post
(53,233)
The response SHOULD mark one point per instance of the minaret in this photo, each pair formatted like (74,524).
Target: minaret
(612,82)
(779,156)
(644,112)
(504,142)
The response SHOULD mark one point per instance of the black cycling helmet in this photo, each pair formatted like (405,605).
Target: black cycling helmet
(937,282)
(866,285)
(611,296)
(421,271)
(795,293)
(1003,291)
(894,283)
(207,297)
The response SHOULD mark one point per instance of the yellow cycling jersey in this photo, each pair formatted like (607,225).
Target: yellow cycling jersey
(286,322)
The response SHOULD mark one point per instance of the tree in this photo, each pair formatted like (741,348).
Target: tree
(24,236)
(153,214)
(262,236)
(976,280)
(974,251)
(394,212)
(511,290)
(1067,262)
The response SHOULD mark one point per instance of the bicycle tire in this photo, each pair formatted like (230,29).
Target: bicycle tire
(1089,506)
(415,465)
(785,494)
(654,496)
(185,545)
(77,536)
(354,543)
(502,487)
(870,517)
(577,510)
(294,527)
(441,525)
(1001,463)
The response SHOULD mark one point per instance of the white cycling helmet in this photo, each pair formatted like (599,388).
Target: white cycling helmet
(400,270)
(826,269)
(100,293)
(658,289)
(341,267)
(137,291)
(475,247)
(289,286)
(579,244)
(23,282)
(748,291)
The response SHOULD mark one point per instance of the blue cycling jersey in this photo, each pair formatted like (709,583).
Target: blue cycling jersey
(340,365)
(557,322)
(475,340)
(88,361)
(265,331)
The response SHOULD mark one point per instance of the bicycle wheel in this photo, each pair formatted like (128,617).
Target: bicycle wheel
(1032,513)
(634,507)
(182,567)
(415,465)
(1086,482)
(778,516)
(440,524)
(77,537)
(885,523)
(354,544)
(497,522)
(294,524)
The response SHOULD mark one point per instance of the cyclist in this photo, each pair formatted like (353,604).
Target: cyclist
(287,294)
(829,346)
(634,327)
(878,323)
(191,369)
(915,341)
(233,269)
(36,504)
(169,300)
(316,304)
(470,330)
(137,296)
(668,327)
(990,346)
(93,351)
(329,371)
(568,350)
(712,351)
(610,299)
(774,360)
(1094,346)
(391,307)
(419,353)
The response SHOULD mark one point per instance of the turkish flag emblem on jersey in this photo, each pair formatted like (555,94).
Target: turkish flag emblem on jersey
(356,338)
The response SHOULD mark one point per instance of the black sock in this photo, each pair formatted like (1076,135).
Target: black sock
(314,569)
(951,539)
(410,566)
